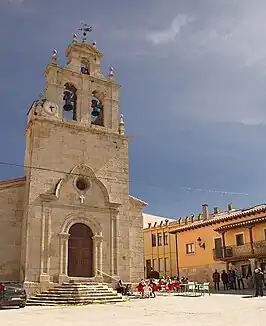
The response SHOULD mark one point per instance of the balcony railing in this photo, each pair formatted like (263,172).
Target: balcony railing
(258,248)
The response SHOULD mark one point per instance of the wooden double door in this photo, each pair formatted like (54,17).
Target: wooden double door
(80,251)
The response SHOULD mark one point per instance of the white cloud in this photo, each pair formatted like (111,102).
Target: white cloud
(16,2)
(253,122)
(169,34)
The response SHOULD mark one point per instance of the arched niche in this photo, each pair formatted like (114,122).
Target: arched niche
(69,102)
(95,186)
(97,108)
(85,66)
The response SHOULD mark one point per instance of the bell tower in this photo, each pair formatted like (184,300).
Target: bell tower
(76,168)
(78,92)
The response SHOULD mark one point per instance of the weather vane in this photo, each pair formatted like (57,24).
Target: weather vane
(85,29)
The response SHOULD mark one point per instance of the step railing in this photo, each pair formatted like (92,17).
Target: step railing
(113,278)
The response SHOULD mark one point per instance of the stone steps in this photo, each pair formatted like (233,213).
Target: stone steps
(76,293)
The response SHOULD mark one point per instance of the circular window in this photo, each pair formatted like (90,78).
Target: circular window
(82,184)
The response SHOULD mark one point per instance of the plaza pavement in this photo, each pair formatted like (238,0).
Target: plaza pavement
(212,310)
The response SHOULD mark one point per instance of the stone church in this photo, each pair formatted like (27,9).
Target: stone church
(71,215)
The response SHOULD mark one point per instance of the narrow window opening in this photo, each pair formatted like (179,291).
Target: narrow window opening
(70,103)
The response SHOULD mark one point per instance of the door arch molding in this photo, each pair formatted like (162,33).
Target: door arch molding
(80,251)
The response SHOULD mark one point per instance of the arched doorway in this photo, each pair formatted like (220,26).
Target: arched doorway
(80,251)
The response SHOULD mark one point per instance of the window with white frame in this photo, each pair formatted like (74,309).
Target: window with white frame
(190,248)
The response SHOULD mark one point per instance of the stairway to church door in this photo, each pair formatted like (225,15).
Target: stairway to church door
(80,251)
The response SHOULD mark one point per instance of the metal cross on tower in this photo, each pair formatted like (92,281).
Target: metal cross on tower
(85,29)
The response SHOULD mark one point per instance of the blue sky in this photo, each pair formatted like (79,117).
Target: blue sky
(193,77)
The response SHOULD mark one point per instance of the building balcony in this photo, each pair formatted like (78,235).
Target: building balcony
(248,250)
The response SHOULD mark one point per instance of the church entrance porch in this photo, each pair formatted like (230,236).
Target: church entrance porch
(80,251)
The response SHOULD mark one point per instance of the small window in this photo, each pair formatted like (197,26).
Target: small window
(190,248)
(240,239)
(153,240)
(264,234)
(159,238)
(165,238)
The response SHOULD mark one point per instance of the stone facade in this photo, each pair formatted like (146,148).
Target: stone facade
(76,172)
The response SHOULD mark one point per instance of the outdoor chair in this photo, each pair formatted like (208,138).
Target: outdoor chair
(146,293)
(191,288)
(204,288)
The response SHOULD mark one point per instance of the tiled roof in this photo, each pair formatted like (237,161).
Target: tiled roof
(243,223)
(12,181)
(148,218)
(221,217)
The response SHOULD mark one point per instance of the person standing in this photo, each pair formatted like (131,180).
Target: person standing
(232,279)
(239,278)
(224,278)
(258,282)
(216,280)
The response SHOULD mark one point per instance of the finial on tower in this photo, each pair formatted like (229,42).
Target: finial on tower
(94,44)
(40,100)
(54,56)
(121,126)
(85,29)
(74,38)
(111,73)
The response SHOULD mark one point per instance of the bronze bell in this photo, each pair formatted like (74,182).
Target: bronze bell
(68,107)
(95,112)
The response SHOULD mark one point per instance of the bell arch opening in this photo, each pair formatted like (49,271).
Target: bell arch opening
(97,109)
(80,251)
(85,66)
(70,102)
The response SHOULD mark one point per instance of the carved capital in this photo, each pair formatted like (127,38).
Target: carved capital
(64,236)
(98,238)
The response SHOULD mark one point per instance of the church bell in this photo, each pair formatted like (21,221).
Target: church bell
(68,106)
(95,112)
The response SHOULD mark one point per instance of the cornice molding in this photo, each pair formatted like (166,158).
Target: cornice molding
(75,125)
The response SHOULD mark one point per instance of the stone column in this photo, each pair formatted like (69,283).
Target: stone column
(114,242)
(100,264)
(112,245)
(95,258)
(63,257)
(85,111)
(79,95)
(45,243)
(98,255)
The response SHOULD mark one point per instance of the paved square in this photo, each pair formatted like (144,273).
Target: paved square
(212,310)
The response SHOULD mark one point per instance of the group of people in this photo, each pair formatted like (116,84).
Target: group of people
(151,286)
(233,279)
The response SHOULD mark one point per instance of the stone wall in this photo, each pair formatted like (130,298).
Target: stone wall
(201,273)
(60,147)
(136,240)
(11,213)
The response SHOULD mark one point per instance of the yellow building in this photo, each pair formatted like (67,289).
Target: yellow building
(159,245)
(220,240)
